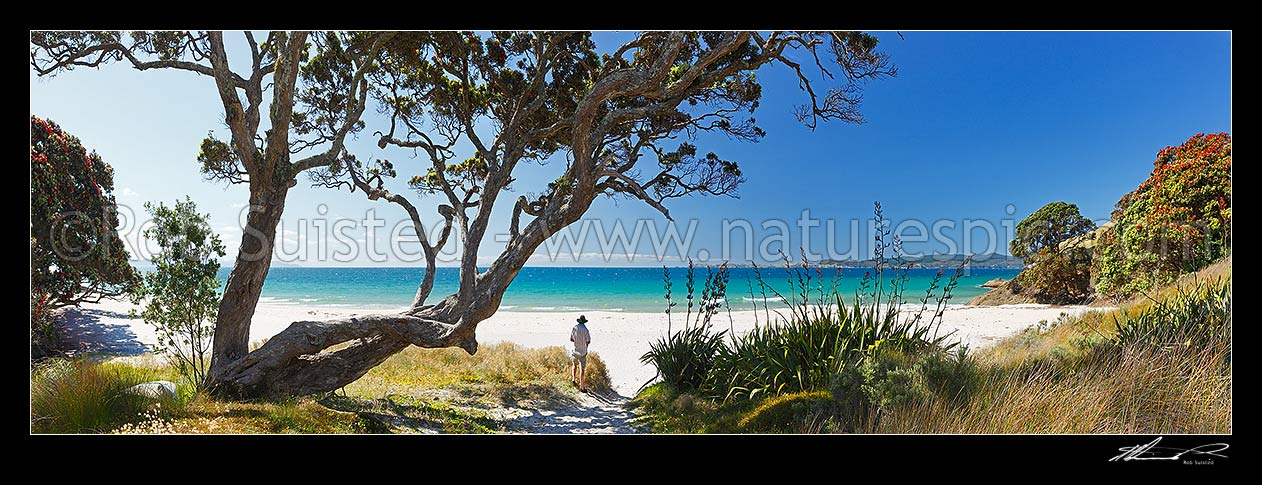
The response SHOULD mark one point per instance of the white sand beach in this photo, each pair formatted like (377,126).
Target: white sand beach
(619,338)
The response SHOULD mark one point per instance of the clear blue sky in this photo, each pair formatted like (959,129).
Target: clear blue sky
(974,122)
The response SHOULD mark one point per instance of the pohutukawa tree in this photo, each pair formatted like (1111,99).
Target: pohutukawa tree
(623,121)
(1047,228)
(76,254)
(1057,269)
(262,159)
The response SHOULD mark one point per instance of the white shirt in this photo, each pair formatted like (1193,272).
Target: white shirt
(581,338)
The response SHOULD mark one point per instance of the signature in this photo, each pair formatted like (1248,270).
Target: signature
(1151,451)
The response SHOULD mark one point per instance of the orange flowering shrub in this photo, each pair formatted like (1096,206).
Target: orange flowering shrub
(1178,220)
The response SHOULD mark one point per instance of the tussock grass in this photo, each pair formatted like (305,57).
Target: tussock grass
(1139,391)
(1160,367)
(79,396)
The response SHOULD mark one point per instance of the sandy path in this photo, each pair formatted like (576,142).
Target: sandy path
(619,338)
(592,414)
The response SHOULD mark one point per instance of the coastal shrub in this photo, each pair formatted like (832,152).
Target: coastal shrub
(1199,316)
(1047,228)
(684,359)
(1054,273)
(76,254)
(1060,277)
(951,376)
(1176,221)
(892,379)
(79,396)
(866,389)
(181,295)
(790,412)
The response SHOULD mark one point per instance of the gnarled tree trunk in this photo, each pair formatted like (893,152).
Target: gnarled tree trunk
(296,362)
(245,283)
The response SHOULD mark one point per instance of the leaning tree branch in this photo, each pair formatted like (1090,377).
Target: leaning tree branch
(634,188)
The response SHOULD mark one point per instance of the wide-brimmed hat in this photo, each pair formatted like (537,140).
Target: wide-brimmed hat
(582,319)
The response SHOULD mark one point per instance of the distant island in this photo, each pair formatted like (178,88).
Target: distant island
(988,260)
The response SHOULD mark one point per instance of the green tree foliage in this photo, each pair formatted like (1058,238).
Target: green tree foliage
(76,254)
(1047,227)
(1053,274)
(1059,276)
(181,295)
(1178,220)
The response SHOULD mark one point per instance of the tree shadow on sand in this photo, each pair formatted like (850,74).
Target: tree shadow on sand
(592,414)
(83,332)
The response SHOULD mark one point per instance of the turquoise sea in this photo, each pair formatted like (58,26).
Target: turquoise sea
(561,289)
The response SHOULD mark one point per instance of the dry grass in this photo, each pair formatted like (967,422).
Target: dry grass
(428,390)
(1100,323)
(1034,343)
(503,372)
(1061,379)
(1148,391)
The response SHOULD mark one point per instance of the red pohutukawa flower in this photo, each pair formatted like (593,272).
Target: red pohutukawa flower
(1177,220)
(65,176)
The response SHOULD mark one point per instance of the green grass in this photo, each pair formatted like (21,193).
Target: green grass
(79,396)
(417,390)
(798,412)
(665,410)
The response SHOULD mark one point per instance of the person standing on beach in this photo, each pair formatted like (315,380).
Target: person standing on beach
(581,338)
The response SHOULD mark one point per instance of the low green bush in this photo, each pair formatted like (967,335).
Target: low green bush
(865,389)
(951,376)
(797,412)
